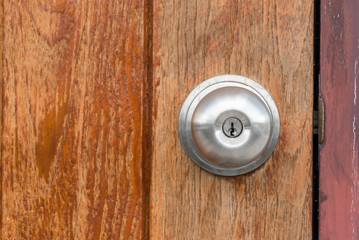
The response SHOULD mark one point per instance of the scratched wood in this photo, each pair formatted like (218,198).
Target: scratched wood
(73,117)
(339,153)
(269,41)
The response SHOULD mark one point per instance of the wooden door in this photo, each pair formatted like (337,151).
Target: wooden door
(91,93)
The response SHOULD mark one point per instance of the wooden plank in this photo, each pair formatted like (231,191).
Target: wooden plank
(73,118)
(339,153)
(1,95)
(269,41)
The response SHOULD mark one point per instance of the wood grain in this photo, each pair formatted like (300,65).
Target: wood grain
(1,96)
(269,41)
(73,119)
(339,153)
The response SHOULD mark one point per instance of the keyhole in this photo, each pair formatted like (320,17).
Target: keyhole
(232,127)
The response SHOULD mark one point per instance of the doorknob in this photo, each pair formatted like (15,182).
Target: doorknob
(229,125)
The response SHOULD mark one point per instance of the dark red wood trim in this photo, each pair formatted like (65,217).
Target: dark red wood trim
(339,167)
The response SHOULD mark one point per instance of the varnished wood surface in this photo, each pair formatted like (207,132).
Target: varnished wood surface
(339,153)
(269,41)
(72,119)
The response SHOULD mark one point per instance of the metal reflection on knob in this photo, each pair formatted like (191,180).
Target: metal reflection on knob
(229,125)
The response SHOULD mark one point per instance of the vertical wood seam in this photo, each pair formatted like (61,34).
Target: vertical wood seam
(147,113)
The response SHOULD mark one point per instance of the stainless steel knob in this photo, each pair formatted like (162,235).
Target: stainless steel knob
(229,125)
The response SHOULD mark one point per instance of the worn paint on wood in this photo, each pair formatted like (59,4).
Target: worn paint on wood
(269,41)
(73,117)
(339,153)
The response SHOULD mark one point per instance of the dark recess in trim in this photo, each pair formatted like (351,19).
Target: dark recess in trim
(316,92)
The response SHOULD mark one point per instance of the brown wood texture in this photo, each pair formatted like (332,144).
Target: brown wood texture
(1,99)
(339,153)
(269,41)
(73,119)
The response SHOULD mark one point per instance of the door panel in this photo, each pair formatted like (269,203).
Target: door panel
(271,43)
(91,93)
(73,117)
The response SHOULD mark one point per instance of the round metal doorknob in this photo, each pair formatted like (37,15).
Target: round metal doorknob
(229,125)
